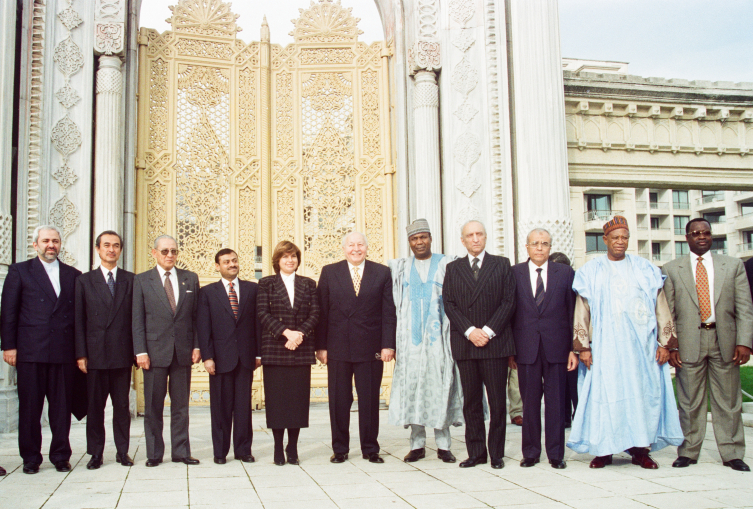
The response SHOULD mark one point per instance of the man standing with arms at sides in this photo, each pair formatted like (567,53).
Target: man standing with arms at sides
(542,327)
(37,330)
(426,382)
(623,331)
(166,344)
(354,337)
(229,341)
(104,347)
(479,296)
(709,297)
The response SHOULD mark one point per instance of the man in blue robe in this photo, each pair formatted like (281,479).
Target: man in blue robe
(623,331)
(426,381)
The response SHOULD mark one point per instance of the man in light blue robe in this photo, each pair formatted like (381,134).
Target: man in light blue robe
(426,382)
(623,331)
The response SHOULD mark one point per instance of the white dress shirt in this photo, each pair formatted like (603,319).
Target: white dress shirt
(289,282)
(173,280)
(105,271)
(708,264)
(53,272)
(480,259)
(236,287)
(535,275)
(360,269)
(486,329)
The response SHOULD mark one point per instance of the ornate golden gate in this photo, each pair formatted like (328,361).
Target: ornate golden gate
(243,145)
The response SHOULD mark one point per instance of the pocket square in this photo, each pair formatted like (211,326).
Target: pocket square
(189,291)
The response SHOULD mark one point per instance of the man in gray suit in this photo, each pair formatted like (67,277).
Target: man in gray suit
(165,342)
(710,301)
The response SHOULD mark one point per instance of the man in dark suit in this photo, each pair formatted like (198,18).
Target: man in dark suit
(165,341)
(228,339)
(479,297)
(356,331)
(542,327)
(36,325)
(104,347)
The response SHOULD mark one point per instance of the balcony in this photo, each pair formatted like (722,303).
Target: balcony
(644,254)
(660,258)
(642,232)
(720,227)
(662,234)
(710,202)
(680,231)
(745,250)
(743,222)
(742,195)
(593,220)
(722,251)
(680,206)
(641,207)
(659,207)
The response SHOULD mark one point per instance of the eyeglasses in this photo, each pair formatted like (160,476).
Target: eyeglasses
(166,252)
(697,233)
(536,244)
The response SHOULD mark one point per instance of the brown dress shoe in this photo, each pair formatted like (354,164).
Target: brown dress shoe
(641,458)
(601,461)
(446,456)
(518,421)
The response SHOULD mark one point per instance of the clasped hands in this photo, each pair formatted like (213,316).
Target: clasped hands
(294,339)
(478,337)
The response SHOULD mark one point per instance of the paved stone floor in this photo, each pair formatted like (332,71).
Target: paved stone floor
(318,484)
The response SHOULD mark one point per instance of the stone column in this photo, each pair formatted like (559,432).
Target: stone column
(426,138)
(538,121)
(8,395)
(108,159)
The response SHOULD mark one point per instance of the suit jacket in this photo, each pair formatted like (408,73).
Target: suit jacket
(355,328)
(553,325)
(731,299)
(155,330)
(276,314)
(222,338)
(103,322)
(490,302)
(33,320)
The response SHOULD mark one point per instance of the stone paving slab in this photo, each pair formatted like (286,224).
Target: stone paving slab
(357,484)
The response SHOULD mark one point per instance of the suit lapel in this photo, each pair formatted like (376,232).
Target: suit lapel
(720,272)
(343,277)
(243,297)
(367,279)
(67,282)
(182,279)
(488,266)
(121,290)
(103,291)
(686,275)
(40,275)
(527,286)
(298,293)
(282,291)
(221,295)
(159,289)
(551,281)
(466,273)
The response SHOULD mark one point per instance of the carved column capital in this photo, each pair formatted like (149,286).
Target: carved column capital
(109,75)
(109,27)
(424,56)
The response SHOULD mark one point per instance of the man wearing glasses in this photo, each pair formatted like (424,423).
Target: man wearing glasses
(165,341)
(710,301)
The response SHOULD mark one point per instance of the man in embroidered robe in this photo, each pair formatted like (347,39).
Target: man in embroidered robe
(426,381)
(623,331)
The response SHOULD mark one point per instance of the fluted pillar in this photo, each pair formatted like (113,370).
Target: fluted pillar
(108,159)
(542,196)
(426,139)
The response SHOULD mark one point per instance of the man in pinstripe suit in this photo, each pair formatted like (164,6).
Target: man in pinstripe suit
(479,296)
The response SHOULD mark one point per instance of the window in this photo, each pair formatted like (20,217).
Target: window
(715,217)
(746,208)
(748,237)
(680,222)
(655,223)
(719,244)
(655,249)
(680,200)
(599,201)
(653,198)
(709,196)
(681,248)
(595,243)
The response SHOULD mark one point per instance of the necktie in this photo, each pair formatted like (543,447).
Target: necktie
(111,283)
(539,290)
(233,299)
(702,287)
(356,280)
(475,269)
(169,291)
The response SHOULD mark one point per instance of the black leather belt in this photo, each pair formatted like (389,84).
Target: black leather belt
(708,326)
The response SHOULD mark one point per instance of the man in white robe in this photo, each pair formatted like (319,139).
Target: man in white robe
(426,382)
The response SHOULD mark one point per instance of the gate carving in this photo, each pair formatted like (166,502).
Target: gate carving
(243,145)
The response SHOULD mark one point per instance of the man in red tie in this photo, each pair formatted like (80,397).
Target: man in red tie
(709,297)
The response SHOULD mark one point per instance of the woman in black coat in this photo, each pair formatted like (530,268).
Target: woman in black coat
(288,311)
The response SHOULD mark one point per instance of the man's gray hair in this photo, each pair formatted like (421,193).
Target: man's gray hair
(38,229)
(462,228)
(539,230)
(365,240)
(156,241)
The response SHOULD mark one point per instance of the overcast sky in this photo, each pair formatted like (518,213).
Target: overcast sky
(690,39)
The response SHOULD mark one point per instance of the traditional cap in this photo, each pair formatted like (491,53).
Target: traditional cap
(615,223)
(418,226)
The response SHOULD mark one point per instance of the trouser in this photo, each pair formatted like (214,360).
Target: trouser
(101,383)
(475,374)
(368,378)
(37,381)
(515,408)
(418,437)
(155,389)
(726,401)
(230,408)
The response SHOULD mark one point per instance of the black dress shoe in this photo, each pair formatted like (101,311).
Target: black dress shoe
(338,458)
(528,462)
(2,471)
(446,456)
(415,455)
(558,464)
(498,463)
(738,465)
(188,460)
(31,468)
(279,458)
(63,466)
(94,463)
(293,460)
(220,461)
(124,459)
(248,458)
(472,462)
(373,457)
(153,463)
(683,461)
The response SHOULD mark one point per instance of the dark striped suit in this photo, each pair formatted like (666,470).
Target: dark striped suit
(488,301)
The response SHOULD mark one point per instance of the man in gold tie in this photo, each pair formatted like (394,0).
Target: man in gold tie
(709,297)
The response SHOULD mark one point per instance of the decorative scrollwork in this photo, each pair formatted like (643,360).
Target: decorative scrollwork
(66,136)
(158,105)
(285,215)
(156,222)
(326,21)
(312,56)
(65,216)
(67,96)
(247,231)
(371,138)
(70,18)
(327,91)
(65,176)
(108,38)
(205,49)
(284,116)
(374,219)
(204,17)
(247,112)
(68,56)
